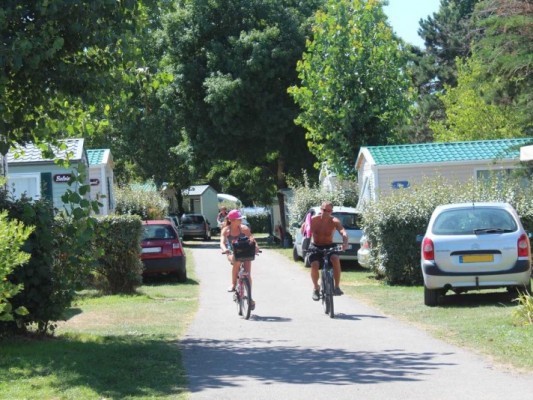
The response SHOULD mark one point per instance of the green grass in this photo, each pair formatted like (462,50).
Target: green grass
(480,321)
(111,347)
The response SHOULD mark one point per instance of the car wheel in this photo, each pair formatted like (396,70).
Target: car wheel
(431,297)
(181,276)
(295,255)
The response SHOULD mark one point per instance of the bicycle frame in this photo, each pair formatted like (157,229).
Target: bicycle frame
(243,293)
(327,282)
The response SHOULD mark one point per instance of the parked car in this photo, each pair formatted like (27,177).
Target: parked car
(177,224)
(162,250)
(195,225)
(472,246)
(349,218)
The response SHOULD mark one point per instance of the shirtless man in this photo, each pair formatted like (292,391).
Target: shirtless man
(323,227)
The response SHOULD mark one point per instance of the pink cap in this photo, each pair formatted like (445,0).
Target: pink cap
(234,214)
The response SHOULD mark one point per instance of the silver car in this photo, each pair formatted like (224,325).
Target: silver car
(472,246)
(349,218)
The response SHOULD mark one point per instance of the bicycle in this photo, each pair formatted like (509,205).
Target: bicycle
(243,293)
(327,285)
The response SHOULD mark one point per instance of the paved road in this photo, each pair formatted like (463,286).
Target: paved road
(290,349)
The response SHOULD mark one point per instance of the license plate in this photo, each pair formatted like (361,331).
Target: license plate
(151,250)
(475,258)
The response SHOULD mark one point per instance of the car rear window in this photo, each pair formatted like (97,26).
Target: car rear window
(151,232)
(348,220)
(192,219)
(469,221)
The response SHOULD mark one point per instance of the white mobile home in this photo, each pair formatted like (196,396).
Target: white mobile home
(382,169)
(101,179)
(37,177)
(202,199)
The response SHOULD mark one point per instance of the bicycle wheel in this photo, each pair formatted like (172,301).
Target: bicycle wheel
(324,291)
(330,294)
(328,297)
(237,297)
(246,298)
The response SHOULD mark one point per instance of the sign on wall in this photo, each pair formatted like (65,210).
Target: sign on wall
(62,178)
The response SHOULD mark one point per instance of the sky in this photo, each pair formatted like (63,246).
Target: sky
(405,14)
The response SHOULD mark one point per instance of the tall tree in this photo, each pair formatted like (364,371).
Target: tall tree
(447,35)
(353,91)
(233,61)
(505,50)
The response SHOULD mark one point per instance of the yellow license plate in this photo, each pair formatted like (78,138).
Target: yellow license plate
(474,258)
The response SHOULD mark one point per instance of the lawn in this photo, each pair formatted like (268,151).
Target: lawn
(120,347)
(480,321)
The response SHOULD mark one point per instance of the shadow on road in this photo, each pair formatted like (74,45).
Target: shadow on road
(232,361)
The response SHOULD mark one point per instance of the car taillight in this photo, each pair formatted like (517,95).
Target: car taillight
(523,246)
(428,250)
(176,249)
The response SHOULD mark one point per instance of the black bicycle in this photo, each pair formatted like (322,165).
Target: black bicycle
(327,286)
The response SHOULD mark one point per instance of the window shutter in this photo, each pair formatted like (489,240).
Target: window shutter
(46,186)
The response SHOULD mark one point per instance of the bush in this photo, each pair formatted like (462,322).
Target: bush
(119,268)
(259,223)
(523,314)
(393,222)
(148,204)
(43,295)
(306,195)
(13,234)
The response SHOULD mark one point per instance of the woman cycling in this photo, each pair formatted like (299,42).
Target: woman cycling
(234,230)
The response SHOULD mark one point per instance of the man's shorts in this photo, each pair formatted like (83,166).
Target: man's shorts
(317,256)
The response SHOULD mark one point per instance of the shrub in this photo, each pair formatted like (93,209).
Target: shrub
(137,200)
(13,234)
(259,223)
(523,314)
(393,222)
(119,268)
(306,195)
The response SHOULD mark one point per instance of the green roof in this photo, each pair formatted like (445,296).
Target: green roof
(95,156)
(424,153)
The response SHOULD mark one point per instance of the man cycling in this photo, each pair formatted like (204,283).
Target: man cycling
(323,226)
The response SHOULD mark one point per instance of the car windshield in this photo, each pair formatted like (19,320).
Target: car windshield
(151,232)
(348,220)
(192,219)
(474,221)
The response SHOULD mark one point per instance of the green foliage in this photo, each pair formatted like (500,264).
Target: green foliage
(119,268)
(504,46)
(59,63)
(352,89)
(13,234)
(259,223)
(523,313)
(306,195)
(469,115)
(42,294)
(233,61)
(141,200)
(447,36)
(393,222)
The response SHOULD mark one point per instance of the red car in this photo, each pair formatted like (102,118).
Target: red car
(162,251)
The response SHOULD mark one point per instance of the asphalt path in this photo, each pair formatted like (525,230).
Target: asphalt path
(289,349)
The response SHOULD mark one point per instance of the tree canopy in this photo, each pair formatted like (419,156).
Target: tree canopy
(353,90)
(233,61)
